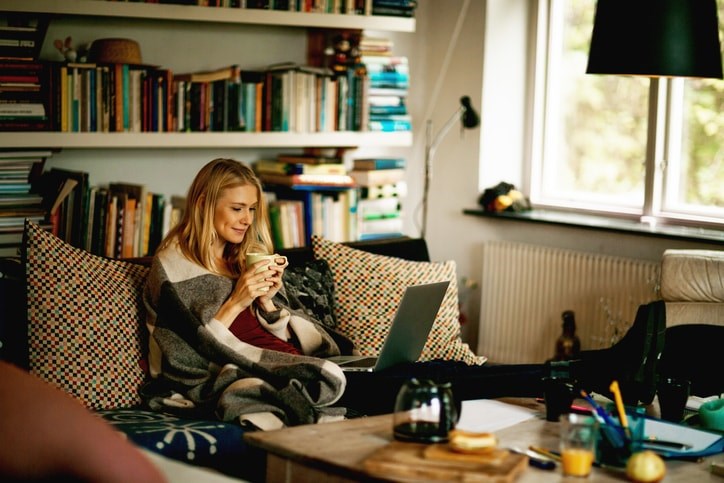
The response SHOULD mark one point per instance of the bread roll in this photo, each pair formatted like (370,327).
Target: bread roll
(471,442)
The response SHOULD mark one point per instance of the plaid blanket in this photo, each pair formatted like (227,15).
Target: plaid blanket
(200,368)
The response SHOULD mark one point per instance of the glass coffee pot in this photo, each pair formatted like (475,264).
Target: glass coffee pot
(424,412)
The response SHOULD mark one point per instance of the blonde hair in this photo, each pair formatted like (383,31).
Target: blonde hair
(195,232)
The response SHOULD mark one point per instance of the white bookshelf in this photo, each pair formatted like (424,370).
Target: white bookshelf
(185,17)
(104,8)
(162,140)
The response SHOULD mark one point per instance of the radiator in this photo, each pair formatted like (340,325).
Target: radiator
(525,289)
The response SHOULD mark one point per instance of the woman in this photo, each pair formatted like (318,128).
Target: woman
(222,337)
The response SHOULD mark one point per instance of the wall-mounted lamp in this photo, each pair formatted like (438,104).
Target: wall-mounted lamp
(469,119)
(656,38)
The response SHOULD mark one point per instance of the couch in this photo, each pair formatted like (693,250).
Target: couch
(76,321)
(691,286)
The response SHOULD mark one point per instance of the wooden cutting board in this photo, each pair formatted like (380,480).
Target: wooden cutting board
(438,462)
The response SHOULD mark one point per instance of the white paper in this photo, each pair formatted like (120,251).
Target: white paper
(486,415)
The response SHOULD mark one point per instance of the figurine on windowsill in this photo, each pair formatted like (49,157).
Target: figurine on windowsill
(568,345)
(503,197)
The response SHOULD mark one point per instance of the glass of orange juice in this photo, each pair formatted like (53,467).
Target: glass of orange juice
(577,444)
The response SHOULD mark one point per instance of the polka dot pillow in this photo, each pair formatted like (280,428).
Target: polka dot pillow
(84,321)
(368,288)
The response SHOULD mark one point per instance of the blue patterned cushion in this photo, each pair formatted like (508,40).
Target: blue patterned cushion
(213,444)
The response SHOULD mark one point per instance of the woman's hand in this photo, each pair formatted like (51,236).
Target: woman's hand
(274,275)
(253,285)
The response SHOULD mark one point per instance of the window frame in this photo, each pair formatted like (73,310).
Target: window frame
(663,138)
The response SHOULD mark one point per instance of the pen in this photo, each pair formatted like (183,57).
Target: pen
(619,406)
(545,452)
(609,426)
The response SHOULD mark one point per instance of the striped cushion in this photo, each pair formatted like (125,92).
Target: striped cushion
(84,320)
(368,289)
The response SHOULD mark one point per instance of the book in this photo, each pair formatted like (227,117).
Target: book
(111,226)
(99,227)
(386,226)
(342,180)
(376,208)
(133,211)
(73,210)
(368,164)
(275,221)
(281,167)
(22,35)
(223,73)
(20,200)
(309,159)
(387,71)
(156,230)
(390,125)
(375,177)
(398,189)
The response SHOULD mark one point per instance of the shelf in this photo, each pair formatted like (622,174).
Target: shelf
(103,8)
(203,140)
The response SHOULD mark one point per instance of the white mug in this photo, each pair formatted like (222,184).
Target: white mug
(253,258)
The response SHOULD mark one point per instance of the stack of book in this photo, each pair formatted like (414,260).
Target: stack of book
(22,35)
(389,77)
(304,169)
(225,99)
(308,194)
(24,95)
(18,201)
(381,190)
(394,8)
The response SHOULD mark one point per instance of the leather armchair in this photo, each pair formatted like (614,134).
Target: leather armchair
(692,288)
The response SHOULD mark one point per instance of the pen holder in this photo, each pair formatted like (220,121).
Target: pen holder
(615,445)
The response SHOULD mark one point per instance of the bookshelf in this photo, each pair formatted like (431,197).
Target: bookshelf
(195,33)
(189,17)
(105,8)
(203,140)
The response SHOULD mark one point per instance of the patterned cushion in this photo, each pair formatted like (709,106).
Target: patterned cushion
(84,316)
(310,287)
(213,444)
(369,288)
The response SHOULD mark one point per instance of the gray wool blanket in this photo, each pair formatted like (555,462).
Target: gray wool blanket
(200,369)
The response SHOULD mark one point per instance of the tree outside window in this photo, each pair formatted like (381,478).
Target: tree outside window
(595,132)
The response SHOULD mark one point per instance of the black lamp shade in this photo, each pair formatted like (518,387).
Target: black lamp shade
(656,38)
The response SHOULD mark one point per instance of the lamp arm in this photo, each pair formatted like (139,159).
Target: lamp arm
(431,144)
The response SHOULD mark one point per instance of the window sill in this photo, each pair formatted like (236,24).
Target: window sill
(598,222)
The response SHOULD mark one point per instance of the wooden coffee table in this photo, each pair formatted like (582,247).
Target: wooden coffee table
(337,451)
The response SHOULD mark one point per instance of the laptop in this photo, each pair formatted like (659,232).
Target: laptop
(408,333)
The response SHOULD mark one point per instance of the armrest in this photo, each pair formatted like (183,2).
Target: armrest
(692,276)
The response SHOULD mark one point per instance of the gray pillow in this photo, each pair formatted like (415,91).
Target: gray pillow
(310,288)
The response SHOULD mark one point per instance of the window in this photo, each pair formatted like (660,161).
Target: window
(631,146)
